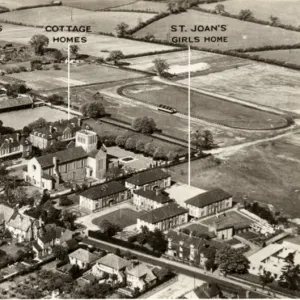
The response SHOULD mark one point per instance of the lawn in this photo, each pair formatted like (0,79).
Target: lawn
(96,4)
(123,217)
(267,173)
(62,15)
(258,83)
(202,62)
(79,75)
(150,6)
(206,107)
(287,11)
(97,45)
(240,34)
(13,4)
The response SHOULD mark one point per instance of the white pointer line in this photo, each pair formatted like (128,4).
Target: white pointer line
(69,100)
(189,114)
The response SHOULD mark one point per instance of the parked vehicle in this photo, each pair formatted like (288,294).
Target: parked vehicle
(167,109)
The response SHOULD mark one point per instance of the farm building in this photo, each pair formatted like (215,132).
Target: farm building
(21,102)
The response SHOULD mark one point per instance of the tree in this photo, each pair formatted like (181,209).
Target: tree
(208,141)
(266,278)
(56,99)
(220,8)
(39,42)
(74,49)
(39,123)
(274,20)
(144,124)
(121,140)
(121,29)
(115,56)
(16,88)
(290,277)
(93,109)
(210,263)
(64,200)
(69,219)
(232,261)
(149,37)
(161,66)
(141,239)
(60,253)
(159,153)
(157,241)
(109,228)
(246,15)
(140,146)
(130,144)
(149,149)
(197,140)
(74,271)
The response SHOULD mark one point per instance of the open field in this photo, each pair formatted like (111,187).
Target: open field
(62,15)
(13,4)
(287,11)
(96,4)
(201,62)
(150,6)
(97,45)
(207,107)
(123,217)
(259,83)
(291,56)
(79,75)
(240,34)
(268,173)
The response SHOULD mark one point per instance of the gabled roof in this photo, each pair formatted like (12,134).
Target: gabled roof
(141,270)
(6,213)
(64,156)
(114,261)
(84,256)
(15,102)
(209,197)
(103,190)
(162,213)
(207,291)
(20,221)
(13,140)
(158,197)
(148,177)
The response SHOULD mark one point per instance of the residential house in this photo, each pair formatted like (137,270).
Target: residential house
(151,179)
(14,145)
(103,195)
(82,258)
(111,264)
(209,203)
(163,218)
(145,199)
(140,276)
(63,130)
(207,290)
(20,102)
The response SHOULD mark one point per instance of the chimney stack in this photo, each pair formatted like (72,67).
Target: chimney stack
(18,137)
(247,294)
(79,122)
(50,129)
(55,162)
(157,192)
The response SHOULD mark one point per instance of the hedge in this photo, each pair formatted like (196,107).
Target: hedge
(152,53)
(102,237)
(134,11)
(21,24)
(37,6)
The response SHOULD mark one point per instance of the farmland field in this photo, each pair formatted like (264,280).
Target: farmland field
(79,75)
(13,4)
(287,11)
(207,107)
(62,15)
(240,34)
(96,4)
(98,45)
(258,83)
(150,6)
(178,61)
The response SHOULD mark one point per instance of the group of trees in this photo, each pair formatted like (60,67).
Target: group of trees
(202,140)
(93,109)
(108,228)
(16,88)
(144,125)
(161,67)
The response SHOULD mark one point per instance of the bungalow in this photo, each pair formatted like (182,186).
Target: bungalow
(163,218)
(103,195)
(209,203)
(151,179)
(82,258)
(145,199)
(111,264)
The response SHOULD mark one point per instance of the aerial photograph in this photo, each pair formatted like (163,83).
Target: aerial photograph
(149,149)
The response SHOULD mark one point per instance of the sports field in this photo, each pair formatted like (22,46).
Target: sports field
(97,45)
(201,62)
(206,107)
(288,11)
(96,4)
(79,75)
(13,4)
(240,34)
(150,6)
(62,15)
(258,83)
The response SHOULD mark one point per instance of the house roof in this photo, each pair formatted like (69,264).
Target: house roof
(71,243)
(148,177)
(83,255)
(265,252)
(56,233)
(141,270)
(163,213)
(209,197)
(14,140)
(207,291)
(156,196)
(15,102)
(103,190)
(64,156)
(114,261)
(6,213)
(20,221)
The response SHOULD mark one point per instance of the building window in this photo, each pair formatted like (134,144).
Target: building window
(34,167)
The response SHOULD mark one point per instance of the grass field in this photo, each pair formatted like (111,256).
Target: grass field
(79,75)
(150,6)
(210,108)
(287,11)
(62,15)
(201,62)
(123,217)
(97,45)
(13,4)
(267,173)
(291,56)
(96,4)
(258,83)
(240,34)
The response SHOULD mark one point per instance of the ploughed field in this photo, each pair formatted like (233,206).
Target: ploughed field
(240,34)
(205,107)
